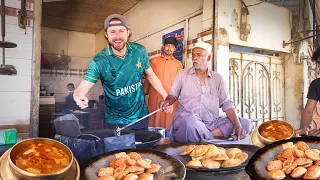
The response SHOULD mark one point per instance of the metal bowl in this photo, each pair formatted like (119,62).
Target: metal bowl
(30,176)
(267,123)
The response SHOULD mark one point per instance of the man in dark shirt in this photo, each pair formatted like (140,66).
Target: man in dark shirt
(313,98)
(70,103)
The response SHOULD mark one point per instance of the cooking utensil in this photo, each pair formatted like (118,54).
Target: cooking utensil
(171,168)
(257,165)
(175,148)
(118,130)
(30,176)
(265,140)
(6,171)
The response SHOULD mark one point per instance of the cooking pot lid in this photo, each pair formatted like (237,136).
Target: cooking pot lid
(6,44)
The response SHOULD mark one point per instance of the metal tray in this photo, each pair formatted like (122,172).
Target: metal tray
(257,165)
(175,148)
(171,168)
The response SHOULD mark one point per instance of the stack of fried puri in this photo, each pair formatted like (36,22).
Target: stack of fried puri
(212,157)
(129,167)
(296,160)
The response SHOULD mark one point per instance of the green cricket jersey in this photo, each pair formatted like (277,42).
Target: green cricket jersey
(121,79)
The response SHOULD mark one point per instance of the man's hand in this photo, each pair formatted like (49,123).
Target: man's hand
(301,131)
(82,101)
(165,106)
(238,133)
(313,132)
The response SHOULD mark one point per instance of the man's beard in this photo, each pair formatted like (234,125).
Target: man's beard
(116,46)
(197,66)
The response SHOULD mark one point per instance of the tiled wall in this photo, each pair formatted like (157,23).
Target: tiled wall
(15,91)
(57,84)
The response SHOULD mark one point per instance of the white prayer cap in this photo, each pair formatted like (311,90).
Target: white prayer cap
(204,45)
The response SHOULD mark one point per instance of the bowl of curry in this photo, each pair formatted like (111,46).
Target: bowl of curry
(274,130)
(40,158)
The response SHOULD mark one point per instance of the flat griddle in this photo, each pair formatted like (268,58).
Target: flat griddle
(171,168)
(257,165)
(174,149)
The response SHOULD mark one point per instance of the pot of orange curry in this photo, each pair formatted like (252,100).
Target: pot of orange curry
(274,130)
(40,159)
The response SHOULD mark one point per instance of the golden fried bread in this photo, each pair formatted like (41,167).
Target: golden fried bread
(288,145)
(197,158)
(131,162)
(274,165)
(131,177)
(220,157)
(143,163)
(148,160)
(302,161)
(288,152)
(212,150)
(121,154)
(313,172)
(289,168)
(302,146)
(108,171)
(133,169)
(187,150)
(298,172)
(276,174)
(154,168)
(317,163)
(242,156)
(280,157)
(288,161)
(199,150)
(210,164)
(134,155)
(145,176)
(106,178)
(194,164)
(120,175)
(232,152)
(307,165)
(317,151)
(299,154)
(312,155)
(222,150)
(231,163)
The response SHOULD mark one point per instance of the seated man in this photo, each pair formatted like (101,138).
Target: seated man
(201,92)
(70,103)
(313,99)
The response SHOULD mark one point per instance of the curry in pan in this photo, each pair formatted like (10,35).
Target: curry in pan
(42,159)
(275,131)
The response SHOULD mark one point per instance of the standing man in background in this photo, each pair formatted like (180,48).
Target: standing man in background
(70,103)
(166,67)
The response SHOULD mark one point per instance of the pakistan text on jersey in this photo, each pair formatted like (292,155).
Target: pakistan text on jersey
(129,89)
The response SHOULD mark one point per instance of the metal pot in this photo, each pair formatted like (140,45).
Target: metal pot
(30,176)
(267,123)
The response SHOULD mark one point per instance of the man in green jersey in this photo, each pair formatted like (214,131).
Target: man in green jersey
(120,67)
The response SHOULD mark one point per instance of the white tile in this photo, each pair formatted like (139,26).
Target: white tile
(12,112)
(20,39)
(15,83)
(23,67)
(17,4)
(15,29)
(14,120)
(14,20)
(15,100)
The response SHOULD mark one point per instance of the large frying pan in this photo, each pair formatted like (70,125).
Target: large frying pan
(257,166)
(174,150)
(171,168)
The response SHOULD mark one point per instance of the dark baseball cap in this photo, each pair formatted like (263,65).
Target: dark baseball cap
(171,40)
(121,18)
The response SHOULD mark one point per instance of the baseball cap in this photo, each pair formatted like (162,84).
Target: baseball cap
(171,40)
(115,16)
(204,45)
